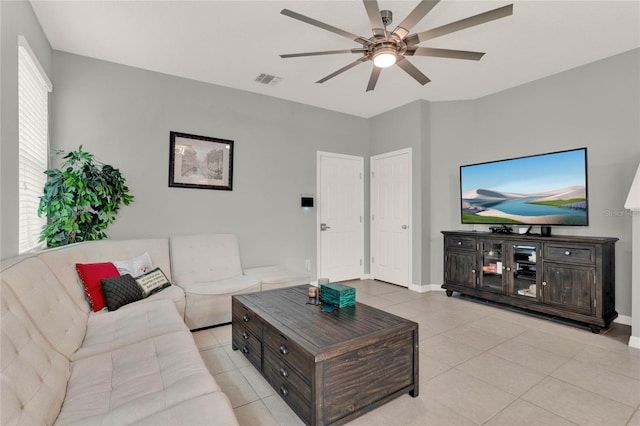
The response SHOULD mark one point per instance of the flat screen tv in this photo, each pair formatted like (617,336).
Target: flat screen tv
(545,189)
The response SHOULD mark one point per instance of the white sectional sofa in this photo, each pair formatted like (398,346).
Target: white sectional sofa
(62,363)
(207,267)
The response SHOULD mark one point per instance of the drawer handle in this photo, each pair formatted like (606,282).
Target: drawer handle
(567,253)
(283,349)
(245,335)
(245,318)
(459,243)
(245,350)
(284,391)
(544,283)
(284,373)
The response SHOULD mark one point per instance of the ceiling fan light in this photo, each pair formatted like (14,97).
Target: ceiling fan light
(384,59)
(385,56)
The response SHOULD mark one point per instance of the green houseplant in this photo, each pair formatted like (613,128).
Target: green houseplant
(81,199)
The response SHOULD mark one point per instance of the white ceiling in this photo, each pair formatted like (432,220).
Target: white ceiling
(230,42)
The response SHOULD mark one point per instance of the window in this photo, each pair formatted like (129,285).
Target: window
(33,130)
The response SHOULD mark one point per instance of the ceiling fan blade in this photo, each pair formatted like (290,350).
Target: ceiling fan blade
(373,10)
(414,17)
(324,26)
(444,53)
(412,71)
(343,69)
(462,24)
(373,79)
(326,52)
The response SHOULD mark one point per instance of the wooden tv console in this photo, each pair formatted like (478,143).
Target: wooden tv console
(565,276)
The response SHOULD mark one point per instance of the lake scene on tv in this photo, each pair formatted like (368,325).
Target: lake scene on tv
(547,189)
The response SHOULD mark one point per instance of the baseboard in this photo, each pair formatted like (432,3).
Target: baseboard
(623,319)
(425,288)
(634,342)
(418,288)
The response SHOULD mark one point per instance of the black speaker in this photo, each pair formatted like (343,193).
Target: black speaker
(545,231)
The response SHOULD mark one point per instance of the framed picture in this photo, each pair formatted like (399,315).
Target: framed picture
(200,162)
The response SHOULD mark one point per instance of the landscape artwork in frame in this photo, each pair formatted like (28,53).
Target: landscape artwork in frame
(200,162)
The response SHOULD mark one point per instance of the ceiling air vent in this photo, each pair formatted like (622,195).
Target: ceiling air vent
(269,80)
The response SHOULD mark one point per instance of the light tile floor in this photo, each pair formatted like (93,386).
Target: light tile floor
(479,365)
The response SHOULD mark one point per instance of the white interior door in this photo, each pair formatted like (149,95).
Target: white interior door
(340,221)
(391,217)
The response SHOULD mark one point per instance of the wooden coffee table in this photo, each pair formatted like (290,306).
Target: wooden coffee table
(330,367)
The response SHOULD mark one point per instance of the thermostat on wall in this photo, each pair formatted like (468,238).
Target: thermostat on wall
(306,201)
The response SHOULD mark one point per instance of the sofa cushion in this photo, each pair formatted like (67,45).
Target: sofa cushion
(209,303)
(204,258)
(213,408)
(135,266)
(173,293)
(60,321)
(152,282)
(119,291)
(34,375)
(136,381)
(107,331)
(276,276)
(91,274)
(61,260)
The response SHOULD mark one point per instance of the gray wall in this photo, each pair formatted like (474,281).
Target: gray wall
(596,106)
(16,18)
(124,115)
(408,127)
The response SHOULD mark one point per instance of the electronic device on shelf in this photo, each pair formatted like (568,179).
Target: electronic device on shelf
(544,189)
(501,229)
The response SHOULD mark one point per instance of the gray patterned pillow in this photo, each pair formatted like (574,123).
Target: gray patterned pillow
(119,291)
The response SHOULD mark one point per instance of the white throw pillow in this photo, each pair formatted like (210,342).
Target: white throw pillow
(135,266)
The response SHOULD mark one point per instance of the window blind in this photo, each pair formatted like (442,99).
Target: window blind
(33,131)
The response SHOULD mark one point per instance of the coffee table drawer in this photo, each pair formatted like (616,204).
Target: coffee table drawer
(288,350)
(290,385)
(248,344)
(244,315)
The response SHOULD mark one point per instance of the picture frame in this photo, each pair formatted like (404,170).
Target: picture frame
(200,162)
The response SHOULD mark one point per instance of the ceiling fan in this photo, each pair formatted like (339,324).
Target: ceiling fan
(386,48)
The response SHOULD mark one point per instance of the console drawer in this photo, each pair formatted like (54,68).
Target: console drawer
(583,254)
(463,243)
(245,316)
(290,385)
(288,350)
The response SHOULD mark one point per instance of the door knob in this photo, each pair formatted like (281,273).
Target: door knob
(324,227)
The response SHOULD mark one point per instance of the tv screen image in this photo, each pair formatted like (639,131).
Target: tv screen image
(545,189)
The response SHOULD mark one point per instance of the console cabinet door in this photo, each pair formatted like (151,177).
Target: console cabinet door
(522,271)
(493,267)
(571,287)
(460,268)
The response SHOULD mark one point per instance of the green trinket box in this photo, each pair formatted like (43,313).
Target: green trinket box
(338,295)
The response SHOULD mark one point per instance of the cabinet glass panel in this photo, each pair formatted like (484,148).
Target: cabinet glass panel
(491,279)
(525,274)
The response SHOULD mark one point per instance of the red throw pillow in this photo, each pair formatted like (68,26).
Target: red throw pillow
(91,274)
